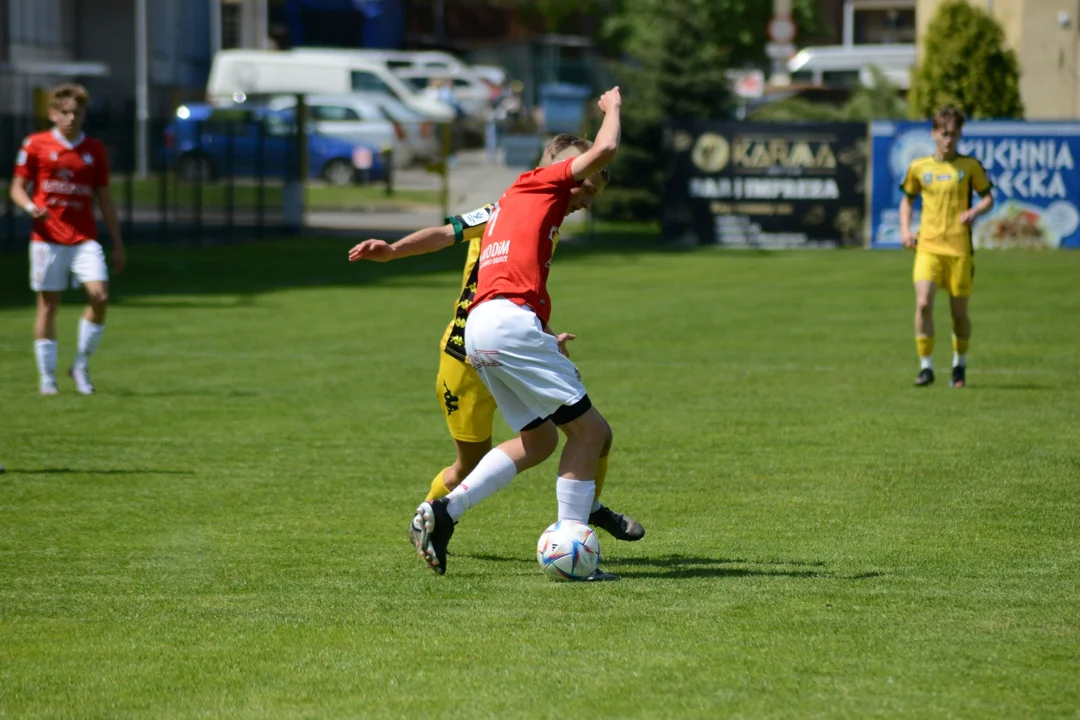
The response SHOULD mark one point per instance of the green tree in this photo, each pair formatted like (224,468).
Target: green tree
(675,55)
(966,64)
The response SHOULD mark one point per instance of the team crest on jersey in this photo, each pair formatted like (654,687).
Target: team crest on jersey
(927,178)
(53,156)
(88,158)
(960,175)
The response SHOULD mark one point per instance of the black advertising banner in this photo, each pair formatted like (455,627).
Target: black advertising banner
(765,185)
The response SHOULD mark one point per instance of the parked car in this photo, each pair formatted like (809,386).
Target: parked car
(353,117)
(848,66)
(421,134)
(259,74)
(471,93)
(205,142)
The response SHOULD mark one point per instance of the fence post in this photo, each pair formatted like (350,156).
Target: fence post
(388,160)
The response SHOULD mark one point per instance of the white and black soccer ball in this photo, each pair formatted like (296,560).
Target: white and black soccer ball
(568,550)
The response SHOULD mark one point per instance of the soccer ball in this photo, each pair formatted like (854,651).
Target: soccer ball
(568,550)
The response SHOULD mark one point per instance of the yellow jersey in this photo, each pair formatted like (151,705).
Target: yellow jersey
(468,227)
(946,188)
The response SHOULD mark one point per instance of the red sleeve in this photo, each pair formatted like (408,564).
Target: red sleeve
(559,174)
(26,161)
(101,163)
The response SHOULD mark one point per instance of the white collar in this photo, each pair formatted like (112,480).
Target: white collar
(65,142)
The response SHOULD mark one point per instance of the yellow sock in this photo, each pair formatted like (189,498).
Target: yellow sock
(438,489)
(960,345)
(601,473)
(925,345)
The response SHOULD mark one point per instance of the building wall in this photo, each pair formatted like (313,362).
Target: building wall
(36,30)
(1049,54)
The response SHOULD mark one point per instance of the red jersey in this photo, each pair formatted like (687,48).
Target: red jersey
(65,176)
(515,255)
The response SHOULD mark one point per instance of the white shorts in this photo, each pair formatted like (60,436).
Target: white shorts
(520,363)
(53,265)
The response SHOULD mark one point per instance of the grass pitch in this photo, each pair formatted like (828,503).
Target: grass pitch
(220,532)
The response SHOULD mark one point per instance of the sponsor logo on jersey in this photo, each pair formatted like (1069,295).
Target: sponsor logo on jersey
(88,158)
(496,252)
(62,187)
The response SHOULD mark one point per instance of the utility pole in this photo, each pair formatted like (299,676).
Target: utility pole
(142,90)
(215,26)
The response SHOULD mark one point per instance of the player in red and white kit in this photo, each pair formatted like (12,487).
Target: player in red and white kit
(66,171)
(516,354)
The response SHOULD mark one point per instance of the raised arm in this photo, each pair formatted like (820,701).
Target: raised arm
(420,242)
(606,143)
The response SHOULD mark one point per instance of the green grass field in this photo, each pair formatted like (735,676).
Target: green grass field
(220,532)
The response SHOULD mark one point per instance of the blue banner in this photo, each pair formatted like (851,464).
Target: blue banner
(1033,166)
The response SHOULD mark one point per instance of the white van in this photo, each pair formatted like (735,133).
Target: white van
(849,65)
(395,59)
(262,73)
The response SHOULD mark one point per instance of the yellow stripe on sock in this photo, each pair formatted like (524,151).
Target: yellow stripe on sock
(438,489)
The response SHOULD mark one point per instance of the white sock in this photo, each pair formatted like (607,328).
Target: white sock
(575,498)
(45,352)
(958,360)
(926,363)
(89,337)
(494,472)
(595,505)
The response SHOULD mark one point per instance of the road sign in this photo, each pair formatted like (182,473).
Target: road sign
(778,51)
(782,29)
(748,84)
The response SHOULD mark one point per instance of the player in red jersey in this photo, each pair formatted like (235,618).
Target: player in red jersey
(66,171)
(516,354)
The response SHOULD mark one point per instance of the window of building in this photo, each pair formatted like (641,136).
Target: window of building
(885,26)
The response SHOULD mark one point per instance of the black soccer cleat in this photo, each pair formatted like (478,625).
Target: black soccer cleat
(599,575)
(619,526)
(436,528)
(959,377)
(926,378)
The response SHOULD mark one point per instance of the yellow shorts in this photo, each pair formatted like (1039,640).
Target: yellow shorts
(951,273)
(465,400)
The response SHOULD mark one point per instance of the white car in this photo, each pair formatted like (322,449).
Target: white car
(345,116)
(237,75)
(422,139)
(374,118)
(471,92)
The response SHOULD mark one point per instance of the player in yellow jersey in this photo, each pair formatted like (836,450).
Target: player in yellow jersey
(466,403)
(944,254)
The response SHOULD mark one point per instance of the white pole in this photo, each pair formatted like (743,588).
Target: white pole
(262,25)
(849,23)
(215,26)
(142,90)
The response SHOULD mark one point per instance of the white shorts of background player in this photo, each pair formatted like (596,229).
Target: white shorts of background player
(53,266)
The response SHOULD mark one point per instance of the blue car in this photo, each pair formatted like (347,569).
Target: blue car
(205,142)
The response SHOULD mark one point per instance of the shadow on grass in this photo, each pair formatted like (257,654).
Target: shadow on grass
(688,566)
(78,471)
(241,271)
(184,393)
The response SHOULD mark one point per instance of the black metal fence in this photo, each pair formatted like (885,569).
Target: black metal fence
(203,182)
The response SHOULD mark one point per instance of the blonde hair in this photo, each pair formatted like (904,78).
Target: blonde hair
(69,91)
(562,142)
